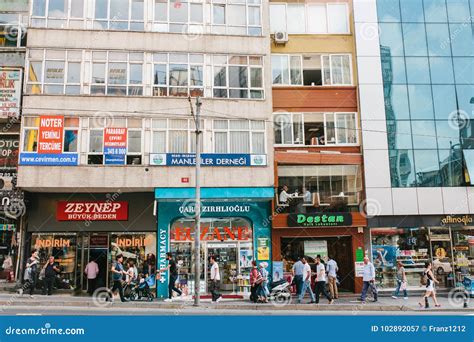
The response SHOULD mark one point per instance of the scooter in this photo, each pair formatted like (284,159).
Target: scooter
(280,293)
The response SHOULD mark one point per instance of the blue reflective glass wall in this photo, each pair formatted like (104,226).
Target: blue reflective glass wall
(427,52)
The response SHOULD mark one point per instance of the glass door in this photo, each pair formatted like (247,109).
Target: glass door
(442,255)
(226,255)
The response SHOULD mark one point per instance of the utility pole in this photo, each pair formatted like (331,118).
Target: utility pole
(197,206)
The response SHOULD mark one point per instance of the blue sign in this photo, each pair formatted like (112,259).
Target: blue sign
(208,159)
(49,159)
(115,155)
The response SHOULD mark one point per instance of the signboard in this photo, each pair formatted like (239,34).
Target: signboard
(464,220)
(92,211)
(7,227)
(208,159)
(263,249)
(9,145)
(56,159)
(181,234)
(320,220)
(50,138)
(315,248)
(359,254)
(10,92)
(359,268)
(115,145)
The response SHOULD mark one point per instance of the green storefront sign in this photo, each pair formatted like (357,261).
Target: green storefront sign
(320,220)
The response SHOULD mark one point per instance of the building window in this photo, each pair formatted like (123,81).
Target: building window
(174,136)
(293,18)
(134,140)
(119,14)
(12,32)
(177,74)
(54,72)
(58,13)
(237,77)
(178,16)
(236,17)
(239,136)
(117,73)
(311,70)
(316,129)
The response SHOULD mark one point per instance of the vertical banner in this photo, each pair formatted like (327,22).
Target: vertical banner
(115,145)
(50,140)
(10,93)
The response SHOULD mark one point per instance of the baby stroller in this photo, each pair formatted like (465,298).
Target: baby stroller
(144,289)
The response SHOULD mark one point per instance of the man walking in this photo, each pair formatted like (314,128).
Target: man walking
(173,270)
(297,272)
(306,282)
(50,271)
(215,280)
(91,271)
(117,276)
(332,268)
(368,280)
(320,287)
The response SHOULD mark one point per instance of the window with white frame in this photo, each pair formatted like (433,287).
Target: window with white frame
(311,69)
(119,14)
(178,16)
(239,136)
(134,149)
(316,129)
(117,73)
(237,76)
(174,136)
(70,134)
(311,18)
(54,72)
(236,17)
(178,74)
(12,32)
(58,13)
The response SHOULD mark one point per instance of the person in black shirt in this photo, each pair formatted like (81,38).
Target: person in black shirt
(50,271)
(173,270)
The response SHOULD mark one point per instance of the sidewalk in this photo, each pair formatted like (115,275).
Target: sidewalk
(348,304)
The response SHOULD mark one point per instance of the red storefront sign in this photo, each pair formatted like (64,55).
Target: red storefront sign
(212,234)
(115,137)
(50,139)
(92,211)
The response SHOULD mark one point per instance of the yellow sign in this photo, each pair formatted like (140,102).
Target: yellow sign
(456,220)
(263,249)
(440,253)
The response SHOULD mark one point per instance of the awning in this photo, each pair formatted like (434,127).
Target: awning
(259,193)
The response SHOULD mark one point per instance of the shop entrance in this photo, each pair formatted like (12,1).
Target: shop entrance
(339,248)
(442,255)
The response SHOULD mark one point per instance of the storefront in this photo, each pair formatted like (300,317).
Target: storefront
(339,235)
(445,241)
(78,228)
(8,250)
(232,230)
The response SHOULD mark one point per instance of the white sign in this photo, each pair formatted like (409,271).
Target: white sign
(10,92)
(315,248)
(359,269)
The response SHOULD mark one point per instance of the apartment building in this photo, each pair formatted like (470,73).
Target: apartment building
(415,64)
(107,147)
(318,162)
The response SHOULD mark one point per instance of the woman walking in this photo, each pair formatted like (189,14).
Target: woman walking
(401,282)
(430,286)
(263,287)
(254,275)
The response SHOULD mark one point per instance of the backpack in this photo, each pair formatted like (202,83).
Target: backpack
(424,279)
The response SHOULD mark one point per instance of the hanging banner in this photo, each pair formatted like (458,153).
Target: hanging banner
(115,145)
(10,92)
(50,139)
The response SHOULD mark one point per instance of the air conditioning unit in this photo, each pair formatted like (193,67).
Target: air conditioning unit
(280,37)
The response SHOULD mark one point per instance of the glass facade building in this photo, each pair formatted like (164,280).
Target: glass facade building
(427,55)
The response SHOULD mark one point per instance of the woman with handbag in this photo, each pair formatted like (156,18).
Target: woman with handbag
(401,282)
(31,273)
(253,282)
(430,281)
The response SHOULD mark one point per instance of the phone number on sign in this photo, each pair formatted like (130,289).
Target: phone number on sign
(416,328)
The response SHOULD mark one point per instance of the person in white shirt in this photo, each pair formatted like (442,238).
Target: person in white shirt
(332,268)
(91,271)
(307,196)
(321,281)
(368,279)
(306,282)
(284,195)
(215,280)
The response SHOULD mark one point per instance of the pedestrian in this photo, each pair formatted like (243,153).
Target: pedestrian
(215,280)
(320,287)
(368,279)
(131,272)
(117,277)
(91,271)
(306,282)
(254,275)
(173,271)
(262,291)
(51,269)
(31,273)
(430,281)
(401,281)
(332,269)
(297,272)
